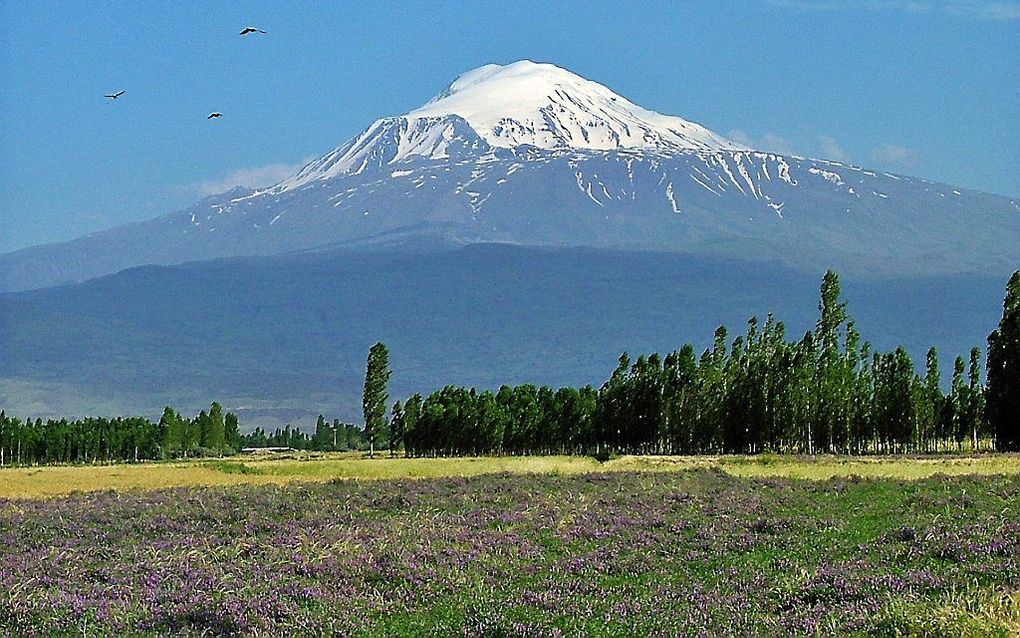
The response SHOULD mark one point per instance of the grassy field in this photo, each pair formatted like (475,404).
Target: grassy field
(652,553)
(36,482)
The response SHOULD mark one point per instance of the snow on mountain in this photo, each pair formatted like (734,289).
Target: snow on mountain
(548,107)
(519,104)
(532,154)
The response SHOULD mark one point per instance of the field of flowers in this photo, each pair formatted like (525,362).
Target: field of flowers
(696,552)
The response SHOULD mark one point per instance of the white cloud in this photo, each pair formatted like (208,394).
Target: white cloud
(826,147)
(977,9)
(740,137)
(818,146)
(988,10)
(767,142)
(831,149)
(895,156)
(777,144)
(254,177)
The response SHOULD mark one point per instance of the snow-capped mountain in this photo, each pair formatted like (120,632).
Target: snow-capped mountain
(532,154)
(521,104)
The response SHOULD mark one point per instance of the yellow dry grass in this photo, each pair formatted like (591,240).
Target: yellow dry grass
(37,482)
(34,482)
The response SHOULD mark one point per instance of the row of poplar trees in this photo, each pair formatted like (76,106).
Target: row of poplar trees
(99,439)
(827,392)
(212,433)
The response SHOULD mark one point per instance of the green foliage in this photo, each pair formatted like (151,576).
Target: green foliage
(375,396)
(231,432)
(212,427)
(104,440)
(396,428)
(233,467)
(1003,396)
(340,437)
(605,455)
(826,393)
(323,439)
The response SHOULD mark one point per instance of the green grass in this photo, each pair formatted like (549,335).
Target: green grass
(233,467)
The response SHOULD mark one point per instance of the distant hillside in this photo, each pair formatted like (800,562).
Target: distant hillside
(284,338)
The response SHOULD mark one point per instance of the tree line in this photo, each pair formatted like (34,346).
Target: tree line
(100,439)
(327,437)
(210,433)
(826,392)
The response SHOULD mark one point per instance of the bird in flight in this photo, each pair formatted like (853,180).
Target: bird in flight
(248,30)
(214,115)
(114,96)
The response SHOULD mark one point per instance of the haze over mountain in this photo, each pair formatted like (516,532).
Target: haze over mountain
(532,154)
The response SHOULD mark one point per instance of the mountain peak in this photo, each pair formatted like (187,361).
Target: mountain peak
(524,104)
(543,105)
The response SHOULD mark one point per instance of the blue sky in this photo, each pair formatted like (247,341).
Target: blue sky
(928,88)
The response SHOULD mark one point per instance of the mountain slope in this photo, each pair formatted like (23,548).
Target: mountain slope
(532,154)
(284,338)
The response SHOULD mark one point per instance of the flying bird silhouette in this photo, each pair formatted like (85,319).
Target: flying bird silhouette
(247,30)
(214,115)
(115,95)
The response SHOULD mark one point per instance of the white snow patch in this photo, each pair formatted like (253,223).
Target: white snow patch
(705,186)
(747,178)
(671,198)
(726,169)
(784,171)
(828,176)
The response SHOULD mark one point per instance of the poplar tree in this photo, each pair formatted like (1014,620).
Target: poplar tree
(396,428)
(1003,376)
(170,426)
(412,409)
(976,398)
(231,432)
(959,396)
(213,428)
(375,397)
(930,408)
(829,380)
(323,436)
